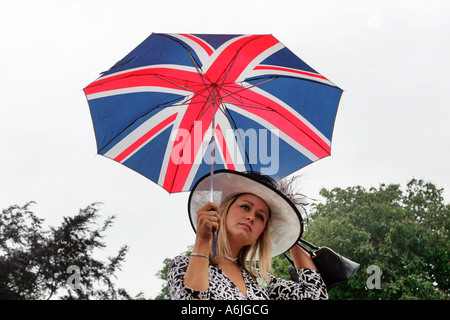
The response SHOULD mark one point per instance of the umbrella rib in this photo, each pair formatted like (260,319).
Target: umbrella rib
(197,67)
(183,103)
(174,83)
(249,87)
(240,102)
(248,106)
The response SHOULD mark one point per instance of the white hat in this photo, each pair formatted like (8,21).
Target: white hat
(286,225)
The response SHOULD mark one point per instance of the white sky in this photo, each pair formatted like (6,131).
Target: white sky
(390,57)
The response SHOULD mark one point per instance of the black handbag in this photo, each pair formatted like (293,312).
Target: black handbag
(334,268)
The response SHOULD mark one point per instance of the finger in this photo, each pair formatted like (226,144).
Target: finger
(215,221)
(207,215)
(210,206)
(208,220)
(207,211)
(205,225)
(215,226)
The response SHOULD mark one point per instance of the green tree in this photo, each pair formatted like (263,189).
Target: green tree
(162,274)
(402,232)
(59,262)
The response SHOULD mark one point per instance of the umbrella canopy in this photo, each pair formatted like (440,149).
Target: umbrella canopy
(164,108)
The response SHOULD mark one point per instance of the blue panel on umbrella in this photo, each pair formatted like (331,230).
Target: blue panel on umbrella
(265,151)
(117,115)
(286,58)
(148,160)
(216,40)
(314,101)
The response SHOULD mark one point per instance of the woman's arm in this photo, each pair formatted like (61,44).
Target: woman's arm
(310,285)
(302,259)
(197,272)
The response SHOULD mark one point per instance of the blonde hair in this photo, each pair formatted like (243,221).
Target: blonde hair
(262,246)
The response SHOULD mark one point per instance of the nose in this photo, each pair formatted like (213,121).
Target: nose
(250,218)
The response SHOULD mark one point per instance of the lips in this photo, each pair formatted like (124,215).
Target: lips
(246,226)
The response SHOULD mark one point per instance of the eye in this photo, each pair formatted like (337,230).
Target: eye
(260,217)
(245,207)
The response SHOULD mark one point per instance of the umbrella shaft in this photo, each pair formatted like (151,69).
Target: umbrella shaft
(213,126)
(211,191)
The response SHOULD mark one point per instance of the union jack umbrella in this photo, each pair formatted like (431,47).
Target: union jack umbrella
(180,104)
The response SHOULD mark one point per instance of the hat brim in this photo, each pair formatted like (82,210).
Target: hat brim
(286,225)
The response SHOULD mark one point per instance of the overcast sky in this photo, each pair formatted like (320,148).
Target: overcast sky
(390,57)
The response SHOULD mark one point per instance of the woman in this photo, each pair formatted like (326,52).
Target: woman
(254,222)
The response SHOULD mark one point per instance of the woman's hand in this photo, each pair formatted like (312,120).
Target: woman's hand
(197,272)
(207,219)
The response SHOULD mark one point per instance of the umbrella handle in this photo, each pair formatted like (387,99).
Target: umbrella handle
(212,200)
(214,243)
(211,197)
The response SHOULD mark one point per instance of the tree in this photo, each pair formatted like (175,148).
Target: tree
(43,264)
(162,274)
(403,233)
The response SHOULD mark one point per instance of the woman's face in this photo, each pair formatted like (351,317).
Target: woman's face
(246,219)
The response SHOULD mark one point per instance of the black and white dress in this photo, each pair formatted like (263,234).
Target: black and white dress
(310,286)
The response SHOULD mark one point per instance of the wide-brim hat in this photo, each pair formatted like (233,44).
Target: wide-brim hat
(286,225)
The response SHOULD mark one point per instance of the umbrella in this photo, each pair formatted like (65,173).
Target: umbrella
(180,104)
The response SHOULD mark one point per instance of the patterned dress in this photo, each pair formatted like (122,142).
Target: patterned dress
(310,285)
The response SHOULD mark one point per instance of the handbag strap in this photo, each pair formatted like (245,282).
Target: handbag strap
(308,244)
(301,243)
(292,269)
